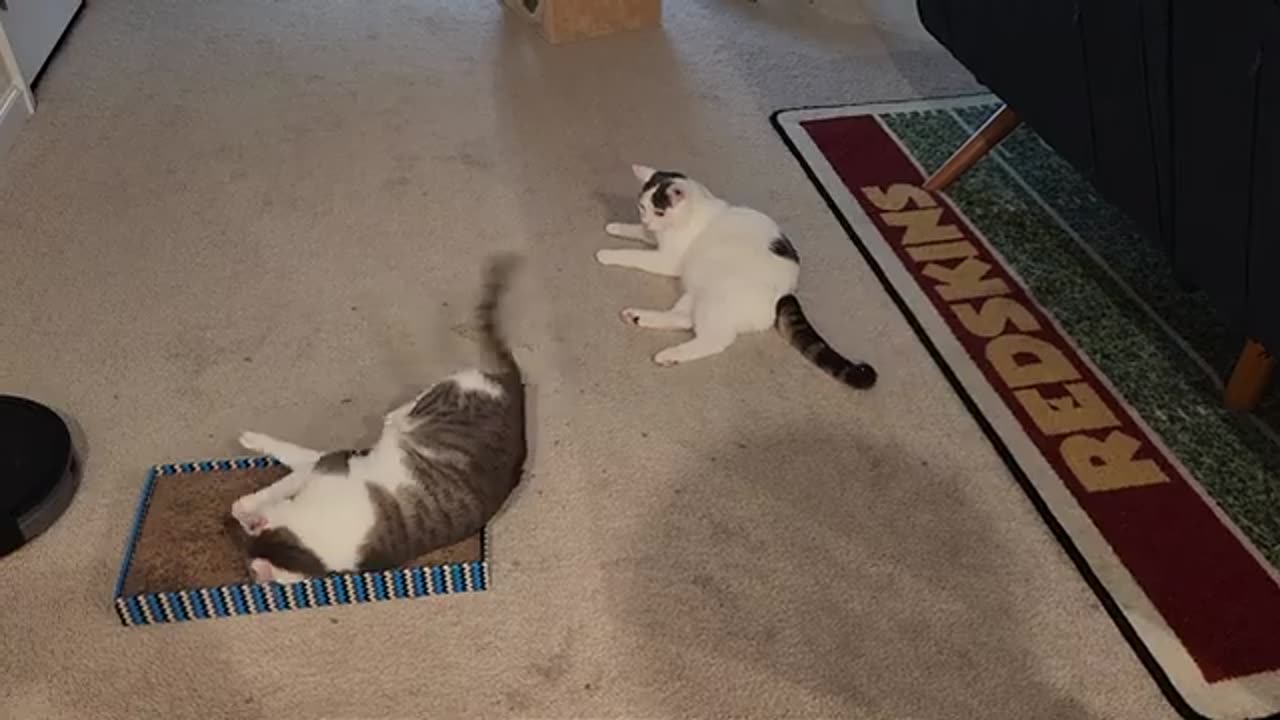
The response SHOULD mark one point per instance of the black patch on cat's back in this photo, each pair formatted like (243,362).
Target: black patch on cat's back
(337,462)
(284,550)
(783,248)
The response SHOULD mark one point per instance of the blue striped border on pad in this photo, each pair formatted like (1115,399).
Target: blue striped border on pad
(257,599)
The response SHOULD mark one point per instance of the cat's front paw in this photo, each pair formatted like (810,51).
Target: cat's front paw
(631,316)
(261,570)
(615,228)
(255,442)
(607,257)
(246,514)
(667,358)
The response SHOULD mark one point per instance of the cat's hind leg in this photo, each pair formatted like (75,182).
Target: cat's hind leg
(677,318)
(714,330)
(629,231)
(702,345)
(295,456)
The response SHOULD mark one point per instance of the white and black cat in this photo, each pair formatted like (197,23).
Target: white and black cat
(738,271)
(441,468)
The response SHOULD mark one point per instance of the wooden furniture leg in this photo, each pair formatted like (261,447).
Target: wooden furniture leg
(995,129)
(1249,380)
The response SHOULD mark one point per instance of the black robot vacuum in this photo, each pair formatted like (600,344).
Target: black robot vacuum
(38,470)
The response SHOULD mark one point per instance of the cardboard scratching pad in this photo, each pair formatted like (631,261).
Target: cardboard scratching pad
(564,21)
(182,562)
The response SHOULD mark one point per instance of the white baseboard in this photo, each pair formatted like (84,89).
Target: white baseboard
(13,115)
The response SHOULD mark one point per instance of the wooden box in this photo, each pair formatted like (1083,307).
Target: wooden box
(565,21)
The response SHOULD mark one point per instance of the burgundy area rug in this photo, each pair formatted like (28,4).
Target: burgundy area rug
(1096,377)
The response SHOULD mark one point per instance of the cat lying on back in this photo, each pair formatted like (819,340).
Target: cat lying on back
(737,269)
(442,467)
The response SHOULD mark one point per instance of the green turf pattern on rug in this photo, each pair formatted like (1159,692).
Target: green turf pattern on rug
(1115,239)
(1137,261)
(1235,460)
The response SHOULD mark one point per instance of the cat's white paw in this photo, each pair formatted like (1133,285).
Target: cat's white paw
(261,570)
(245,513)
(667,358)
(629,231)
(630,316)
(607,257)
(256,442)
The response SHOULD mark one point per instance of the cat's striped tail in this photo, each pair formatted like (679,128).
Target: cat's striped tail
(795,327)
(497,278)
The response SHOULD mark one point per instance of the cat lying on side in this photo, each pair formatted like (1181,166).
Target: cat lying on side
(737,269)
(442,467)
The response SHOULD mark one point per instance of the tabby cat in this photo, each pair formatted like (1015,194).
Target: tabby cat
(441,468)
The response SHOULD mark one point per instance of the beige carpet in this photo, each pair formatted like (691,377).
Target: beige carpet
(241,213)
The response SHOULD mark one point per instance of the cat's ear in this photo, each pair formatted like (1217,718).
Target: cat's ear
(643,172)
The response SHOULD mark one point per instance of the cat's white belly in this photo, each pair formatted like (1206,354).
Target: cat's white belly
(742,284)
(332,516)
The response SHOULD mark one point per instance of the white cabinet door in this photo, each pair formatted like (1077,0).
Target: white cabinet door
(33,28)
